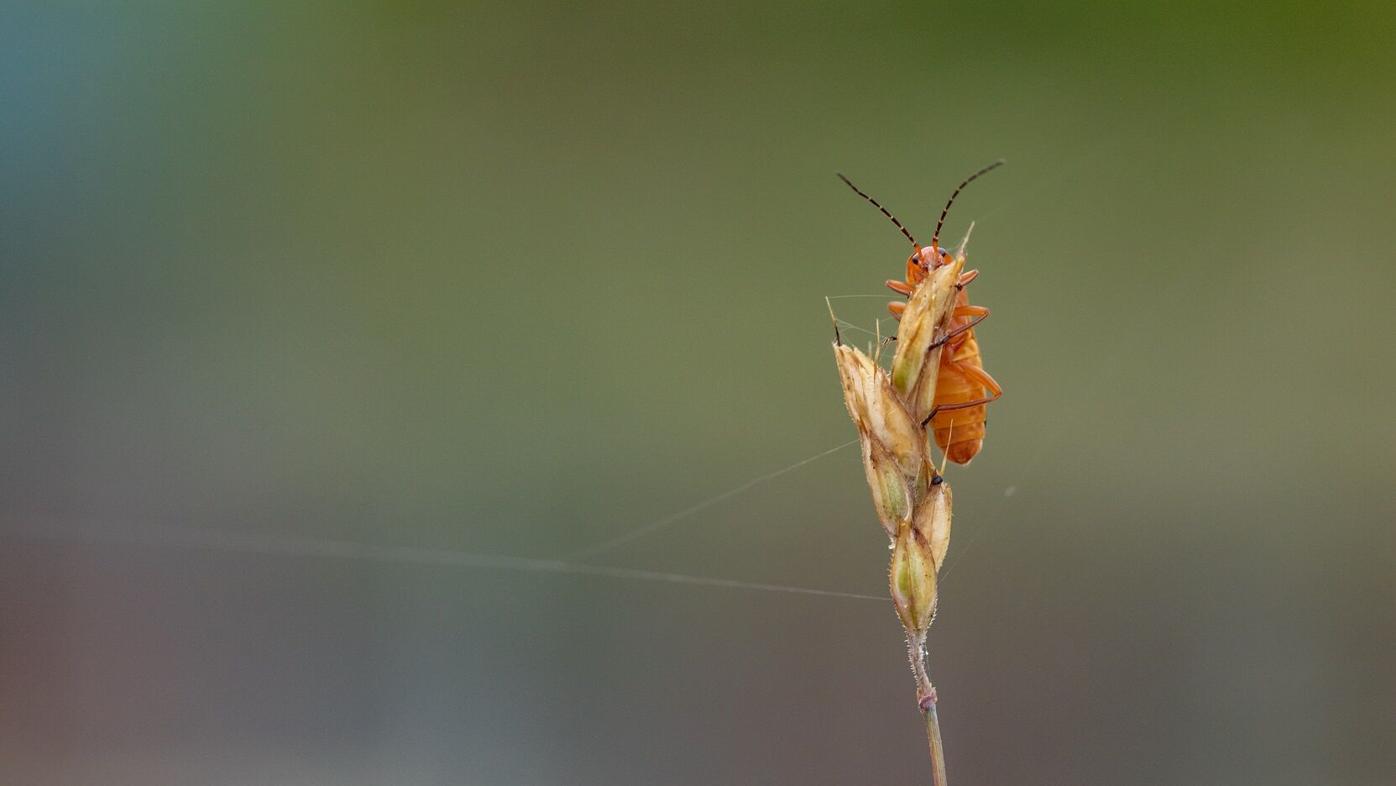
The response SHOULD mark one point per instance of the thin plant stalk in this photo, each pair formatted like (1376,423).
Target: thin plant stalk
(926,701)
(937,750)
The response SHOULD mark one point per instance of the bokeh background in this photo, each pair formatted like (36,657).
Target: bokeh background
(307,309)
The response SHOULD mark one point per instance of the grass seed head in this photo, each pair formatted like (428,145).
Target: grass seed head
(891,410)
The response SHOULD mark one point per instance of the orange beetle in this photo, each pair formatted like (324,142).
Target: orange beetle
(963,387)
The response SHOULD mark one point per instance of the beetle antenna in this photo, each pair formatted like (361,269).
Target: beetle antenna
(935,239)
(884,210)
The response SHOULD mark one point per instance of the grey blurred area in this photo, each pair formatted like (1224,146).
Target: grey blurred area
(328,332)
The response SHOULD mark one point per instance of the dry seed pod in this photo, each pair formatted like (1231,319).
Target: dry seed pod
(894,445)
(921,324)
(932,519)
(942,283)
(912,580)
(878,412)
(891,493)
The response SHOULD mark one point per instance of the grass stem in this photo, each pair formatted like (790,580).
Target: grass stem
(926,701)
(937,750)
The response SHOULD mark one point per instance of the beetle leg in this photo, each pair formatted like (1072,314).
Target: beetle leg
(962,328)
(961,405)
(967,277)
(900,287)
(968,310)
(978,374)
(896,307)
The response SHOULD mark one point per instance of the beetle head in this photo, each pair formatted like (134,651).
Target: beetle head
(929,258)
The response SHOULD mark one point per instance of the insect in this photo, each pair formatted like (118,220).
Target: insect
(963,388)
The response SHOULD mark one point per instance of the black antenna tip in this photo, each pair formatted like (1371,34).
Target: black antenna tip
(935,238)
(905,233)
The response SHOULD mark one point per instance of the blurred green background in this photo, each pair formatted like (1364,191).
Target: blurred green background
(518,278)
